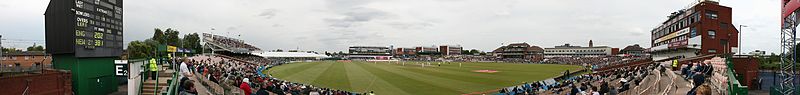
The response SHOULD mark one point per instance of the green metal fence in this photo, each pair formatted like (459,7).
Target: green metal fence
(734,86)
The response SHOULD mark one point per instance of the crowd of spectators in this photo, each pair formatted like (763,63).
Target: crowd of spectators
(232,43)
(249,78)
(583,61)
(595,62)
(255,59)
(618,81)
(697,73)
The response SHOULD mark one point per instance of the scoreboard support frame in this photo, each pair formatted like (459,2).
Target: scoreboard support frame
(90,76)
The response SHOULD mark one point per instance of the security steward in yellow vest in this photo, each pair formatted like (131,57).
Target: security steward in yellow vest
(153,68)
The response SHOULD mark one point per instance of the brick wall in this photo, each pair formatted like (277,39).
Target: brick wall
(48,83)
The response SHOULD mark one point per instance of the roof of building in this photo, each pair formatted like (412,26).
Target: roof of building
(529,47)
(519,44)
(635,47)
(535,48)
(499,49)
(24,53)
(577,47)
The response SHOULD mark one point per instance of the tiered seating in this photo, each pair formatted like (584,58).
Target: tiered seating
(636,79)
(228,73)
(230,44)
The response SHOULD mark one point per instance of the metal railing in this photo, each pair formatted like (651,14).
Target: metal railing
(27,87)
(734,86)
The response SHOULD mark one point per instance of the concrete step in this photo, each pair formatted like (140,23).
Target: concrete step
(161,81)
(151,89)
(165,75)
(153,86)
(148,93)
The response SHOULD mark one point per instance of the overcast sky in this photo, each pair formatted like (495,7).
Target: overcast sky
(333,25)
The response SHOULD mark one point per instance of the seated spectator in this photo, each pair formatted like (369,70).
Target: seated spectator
(188,88)
(262,90)
(703,90)
(245,86)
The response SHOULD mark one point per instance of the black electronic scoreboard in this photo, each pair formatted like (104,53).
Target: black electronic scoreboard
(86,28)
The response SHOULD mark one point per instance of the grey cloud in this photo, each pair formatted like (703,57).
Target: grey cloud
(268,13)
(636,32)
(345,30)
(410,25)
(338,5)
(231,28)
(354,16)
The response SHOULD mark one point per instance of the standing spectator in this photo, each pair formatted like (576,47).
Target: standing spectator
(153,69)
(184,72)
(184,69)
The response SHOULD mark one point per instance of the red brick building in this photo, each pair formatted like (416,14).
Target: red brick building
(405,51)
(520,51)
(427,50)
(450,50)
(704,28)
(25,58)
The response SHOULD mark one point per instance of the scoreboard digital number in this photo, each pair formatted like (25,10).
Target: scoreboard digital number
(98,28)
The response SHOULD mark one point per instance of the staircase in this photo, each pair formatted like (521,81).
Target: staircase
(164,77)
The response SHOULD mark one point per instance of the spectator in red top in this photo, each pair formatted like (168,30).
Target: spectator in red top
(245,86)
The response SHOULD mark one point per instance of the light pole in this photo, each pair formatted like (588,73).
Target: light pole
(1,49)
(740,38)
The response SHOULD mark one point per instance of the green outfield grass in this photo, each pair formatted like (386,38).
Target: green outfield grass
(390,78)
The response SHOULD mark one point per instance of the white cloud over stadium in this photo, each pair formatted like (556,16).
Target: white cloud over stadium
(333,25)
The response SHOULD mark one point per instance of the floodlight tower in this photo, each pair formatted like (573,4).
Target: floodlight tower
(787,72)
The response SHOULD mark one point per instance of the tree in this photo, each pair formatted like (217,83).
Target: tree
(10,50)
(474,51)
(192,41)
(139,50)
(40,48)
(148,47)
(158,36)
(171,37)
(35,48)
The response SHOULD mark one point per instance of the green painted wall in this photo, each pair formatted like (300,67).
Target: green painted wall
(86,72)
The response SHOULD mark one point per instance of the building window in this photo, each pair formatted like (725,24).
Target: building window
(711,14)
(712,51)
(723,25)
(693,32)
(712,34)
